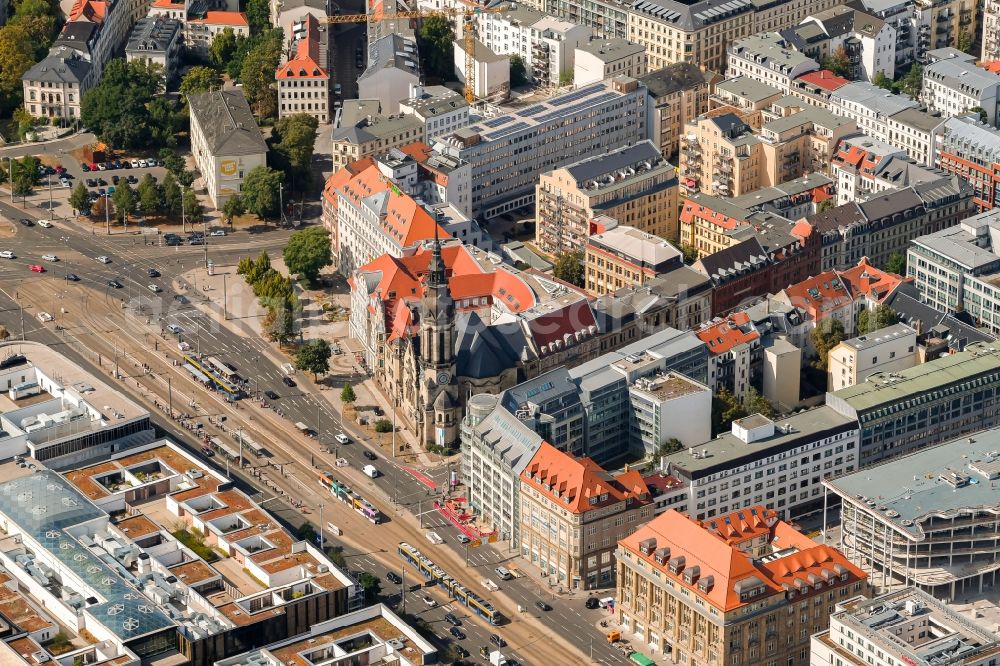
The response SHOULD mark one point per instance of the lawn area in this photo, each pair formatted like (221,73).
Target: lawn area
(196,543)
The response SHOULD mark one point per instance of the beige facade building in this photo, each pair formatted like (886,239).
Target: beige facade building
(678,94)
(600,59)
(801,143)
(573,514)
(886,350)
(364,133)
(625,257)
(720,155)
(634,185)
(744,588)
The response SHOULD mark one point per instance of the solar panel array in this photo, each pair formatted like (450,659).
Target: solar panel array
(516,127)
(497,122)
(573,96)
(562,113)
(538,108)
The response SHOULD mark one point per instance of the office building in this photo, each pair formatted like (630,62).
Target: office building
(624,257)
(599,59)
(440,109)
(760,460)
(225,141)
(971,150)
(509,153)
(678,94)
(886,350)
(573,513)
(633,185)
(706,593)
(941,399)
(955,269)
(928,519)
(362,132)
(902,627)
(303,80)
(953,86)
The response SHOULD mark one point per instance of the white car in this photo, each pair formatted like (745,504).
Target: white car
(154,288)
(45,224)
(7,254)
(44,317)
(135,164)
(218,232)
(103,259)
(174,328)
(65,183)
(50,257)
(342,438)
(142,164)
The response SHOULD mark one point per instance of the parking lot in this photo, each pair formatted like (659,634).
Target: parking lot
(64,168)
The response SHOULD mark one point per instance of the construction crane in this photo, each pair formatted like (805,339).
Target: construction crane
(468,31)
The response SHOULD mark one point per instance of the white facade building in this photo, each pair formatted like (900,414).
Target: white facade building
(887,350)
(440,109)
(955,85)
(769,58)
(600,59)
(393,69)
(491,78)
(670,406)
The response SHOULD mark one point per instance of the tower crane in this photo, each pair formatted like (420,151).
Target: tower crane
(468,31)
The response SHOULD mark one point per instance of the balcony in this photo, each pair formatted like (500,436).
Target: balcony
(726,167)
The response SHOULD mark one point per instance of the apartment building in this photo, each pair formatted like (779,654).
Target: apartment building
(768,58)
(623,257)
(926,404)
(225,141)
(54,86)
(392,72)
(748,98)
(940,24)
(956,269)
(954,85)
(720,155)
(886,351)
(362,133)
(509,153)
(735,353)
(678,94)
(600,59)
(705,593)
(991,31)
(680,299)
(801,143)
(285,14)
(971,150)
(440,109)
(633,185)
(547,45)
(884,224)
(901,627)
(201,28)
(816,87)
(927,519)
(303,80)
(156,41)
(573,514)
(433,178)
(856,165)
(868,41)
(762,461)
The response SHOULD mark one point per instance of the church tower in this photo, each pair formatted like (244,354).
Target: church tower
(438,383)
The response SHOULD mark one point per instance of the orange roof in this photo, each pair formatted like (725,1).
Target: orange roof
(865,279)
(223,18)
(340,177)
(578,484)
(832,290)
(723,567)
(168,4)
(88,10)
(693,210)
(724,334)
(991,66)
(824,79)
(305,64)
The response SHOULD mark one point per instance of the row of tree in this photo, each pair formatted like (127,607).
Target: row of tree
(276,293)
(23,174)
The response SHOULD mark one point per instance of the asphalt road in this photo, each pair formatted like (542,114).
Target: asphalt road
(130,260)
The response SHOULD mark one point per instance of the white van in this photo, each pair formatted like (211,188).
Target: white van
(503,573)
(606,602)
(370,471)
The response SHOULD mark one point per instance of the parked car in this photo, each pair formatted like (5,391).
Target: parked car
(143,164)
(65,183)
(135,164)
(91,182)
(85,167)
(592,603)
(115,179)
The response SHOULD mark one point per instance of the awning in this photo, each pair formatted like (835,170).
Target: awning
(641,659)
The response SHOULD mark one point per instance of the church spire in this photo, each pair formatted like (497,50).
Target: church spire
(436,276)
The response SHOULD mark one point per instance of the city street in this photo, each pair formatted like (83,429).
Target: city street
(127,325)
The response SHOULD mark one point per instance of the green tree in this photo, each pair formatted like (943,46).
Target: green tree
(896,263)
(150,195)
(233,208)
(755,403)
(292,141)
(260,268)
(518,72)
(172,162)
(348,396)
(314,357)
(165,121)
(569,267)
(882,81)
(279,323)
(435,41)
(308,252)
(828,334)
(124,199)
(80,199)
(870,321)
(912,83)
(965,42)
(222,48)
(336,555)
(825,205)
(244,266)
(726,408)
(17,55)
(200,79)
(25,175)
(192,207)
(566,77)
(258,16)
(234,67)
(370,584)
(257,77)
(838,62)
(983,116)
(307,532)
(672,445)
(690,254)
(117,109)
(171,194)
(261,191)
(383,425)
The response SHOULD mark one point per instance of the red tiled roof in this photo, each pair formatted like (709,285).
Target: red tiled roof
(832,290)
(552,328)
(223,18)
(88,10)
(693,210)
(824,79)
(577,484)
(722,335)
(991,66)
(305,64)
(865,279)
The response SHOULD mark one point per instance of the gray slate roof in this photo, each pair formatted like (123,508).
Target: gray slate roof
(392,51)
(227,122)
(62,65)
(673,78)
(597,166)
(153,33)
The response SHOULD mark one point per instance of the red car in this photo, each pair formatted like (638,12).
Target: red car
(37,268)
(93,166)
